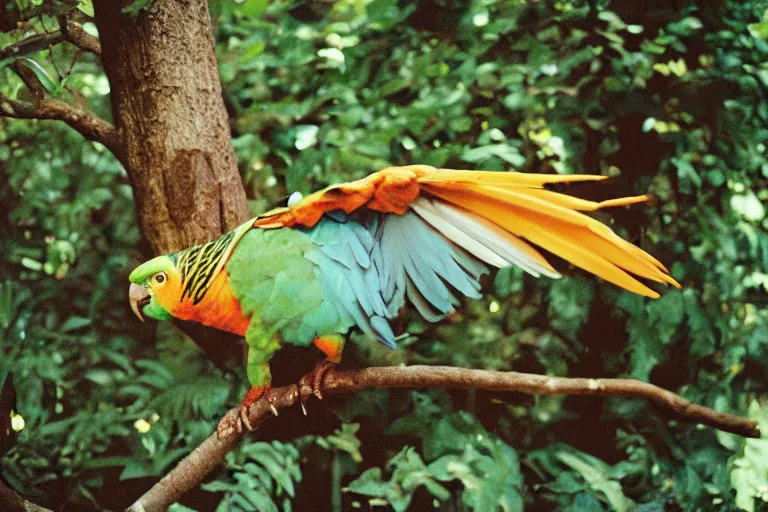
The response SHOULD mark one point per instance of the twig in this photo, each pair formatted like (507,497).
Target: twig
(191,471)
(90,126)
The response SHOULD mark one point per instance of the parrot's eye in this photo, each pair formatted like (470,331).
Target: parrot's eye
(159,278)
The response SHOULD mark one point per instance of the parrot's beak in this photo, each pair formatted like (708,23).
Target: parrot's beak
(139,297)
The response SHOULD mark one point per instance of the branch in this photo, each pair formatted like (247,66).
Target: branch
(11,16)
(31,44)
(90,126)
(76,35)
(29,78)
(68,31)
(191,471)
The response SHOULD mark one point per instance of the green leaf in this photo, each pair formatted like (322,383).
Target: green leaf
(7,304)
(409,473)
(595,473)
(749,477)
(42,75)
(687,175)
(666,314)
(748,206)
(504,151)
(252,8)
(86,6)
(345,439)
(759,29)
(306,136)
(685,27)
(75,322)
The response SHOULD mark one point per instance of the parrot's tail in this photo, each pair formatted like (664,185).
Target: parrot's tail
(489,213)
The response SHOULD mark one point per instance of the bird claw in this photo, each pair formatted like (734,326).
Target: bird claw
(239,420)
(314,380)
(244,418)
(244,409)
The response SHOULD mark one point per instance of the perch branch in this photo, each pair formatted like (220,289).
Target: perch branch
(90,126)
(191,471)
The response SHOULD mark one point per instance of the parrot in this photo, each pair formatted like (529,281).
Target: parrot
(355,254)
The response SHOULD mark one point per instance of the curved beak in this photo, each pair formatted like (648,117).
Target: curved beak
(139,297)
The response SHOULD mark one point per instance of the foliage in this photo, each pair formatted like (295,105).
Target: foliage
(458,448)
(668,98)
(259,471)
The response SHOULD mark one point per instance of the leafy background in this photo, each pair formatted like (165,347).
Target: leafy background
(667,97)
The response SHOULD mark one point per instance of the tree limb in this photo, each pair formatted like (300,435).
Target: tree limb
(31,44)
(29,78)
(191,471)
(11,16)
(90,126)
(68,31)
(75,34)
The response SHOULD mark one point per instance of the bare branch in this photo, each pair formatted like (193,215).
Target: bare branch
(32,44)
(90,126)
(11,16)
(76,35)
(70,31)
(191,471)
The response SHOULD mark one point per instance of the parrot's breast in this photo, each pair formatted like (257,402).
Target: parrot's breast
(218,308)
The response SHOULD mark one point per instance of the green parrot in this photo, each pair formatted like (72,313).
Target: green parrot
(353,255)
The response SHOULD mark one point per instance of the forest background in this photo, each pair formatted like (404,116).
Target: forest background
(668,98)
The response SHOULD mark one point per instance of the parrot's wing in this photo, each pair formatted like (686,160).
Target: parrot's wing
(490,215)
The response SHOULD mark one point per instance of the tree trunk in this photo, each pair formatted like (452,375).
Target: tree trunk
(167,105)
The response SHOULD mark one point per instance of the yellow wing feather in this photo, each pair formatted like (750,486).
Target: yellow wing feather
(516,202)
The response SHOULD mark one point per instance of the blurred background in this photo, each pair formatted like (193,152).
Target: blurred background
(669,98)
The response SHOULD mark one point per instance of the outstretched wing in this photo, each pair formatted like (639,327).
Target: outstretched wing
(490,215)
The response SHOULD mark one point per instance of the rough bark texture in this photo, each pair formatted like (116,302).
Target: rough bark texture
(168,107)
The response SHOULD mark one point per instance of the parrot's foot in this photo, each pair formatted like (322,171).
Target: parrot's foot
(236,422)
(315,378)
(254,394)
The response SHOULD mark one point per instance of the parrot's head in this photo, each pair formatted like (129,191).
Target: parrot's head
(155,288)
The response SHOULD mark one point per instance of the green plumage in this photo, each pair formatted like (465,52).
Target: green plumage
(295,285)
(279,288)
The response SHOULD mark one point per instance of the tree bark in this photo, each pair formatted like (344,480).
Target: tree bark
(168,107)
